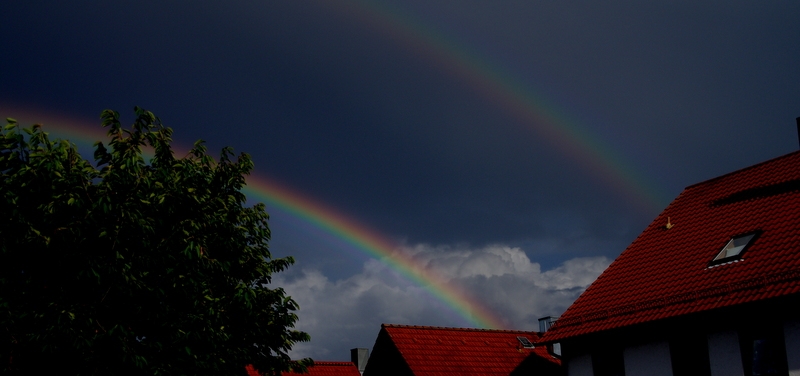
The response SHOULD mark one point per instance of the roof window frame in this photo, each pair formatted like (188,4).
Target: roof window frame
(525,342)
(717,260)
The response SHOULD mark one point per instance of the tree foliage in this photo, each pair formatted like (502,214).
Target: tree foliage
(135,265)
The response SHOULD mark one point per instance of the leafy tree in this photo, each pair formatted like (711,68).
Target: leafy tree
(135,266)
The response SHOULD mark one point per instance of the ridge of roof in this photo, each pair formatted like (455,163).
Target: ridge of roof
(757,165)
(320,368)
(332,363)
(456,329)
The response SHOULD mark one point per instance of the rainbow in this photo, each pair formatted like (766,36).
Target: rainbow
(306,209)
(374,245)
(509,94)
(498,88)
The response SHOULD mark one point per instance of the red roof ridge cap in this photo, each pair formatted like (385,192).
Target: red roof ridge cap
(332,363)
(457,329)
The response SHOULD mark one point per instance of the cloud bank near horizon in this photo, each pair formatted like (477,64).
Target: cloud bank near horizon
(347,313)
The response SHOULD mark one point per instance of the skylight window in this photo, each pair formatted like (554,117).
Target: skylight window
(525,342)
(734,249)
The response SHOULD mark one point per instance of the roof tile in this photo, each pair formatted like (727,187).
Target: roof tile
(321,368)
(665,272)
(434,351)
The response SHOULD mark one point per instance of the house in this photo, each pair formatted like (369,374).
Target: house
(321,369)
(711,287)
(434,351)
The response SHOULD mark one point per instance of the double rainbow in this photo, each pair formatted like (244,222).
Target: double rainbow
(487,80)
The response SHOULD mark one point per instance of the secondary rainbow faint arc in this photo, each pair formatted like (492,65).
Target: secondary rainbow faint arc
(517,100)
(305,208)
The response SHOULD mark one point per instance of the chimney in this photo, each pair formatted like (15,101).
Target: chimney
(544,325)
(359,357)
(798,128)
(546,322)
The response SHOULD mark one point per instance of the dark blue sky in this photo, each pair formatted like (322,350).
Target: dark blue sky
(361,105)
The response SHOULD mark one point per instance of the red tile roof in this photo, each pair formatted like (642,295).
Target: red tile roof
(435,351)
(322,369)
(665,272)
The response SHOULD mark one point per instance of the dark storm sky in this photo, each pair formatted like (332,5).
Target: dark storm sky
(367,107)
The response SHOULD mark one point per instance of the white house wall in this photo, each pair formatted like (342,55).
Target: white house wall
(724,354)
(651,359)
(791,334)
(580,366)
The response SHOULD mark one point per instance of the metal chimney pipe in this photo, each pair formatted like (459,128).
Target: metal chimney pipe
(798,128)
(546,322)
(359,357)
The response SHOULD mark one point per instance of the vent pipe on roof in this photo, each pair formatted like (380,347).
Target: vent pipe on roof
(546,322)
(798,128)
(359,357)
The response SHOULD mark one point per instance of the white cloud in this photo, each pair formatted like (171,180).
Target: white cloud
(347,313)
(577,272)
(459,263)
